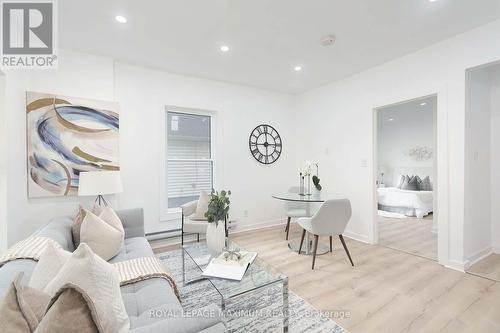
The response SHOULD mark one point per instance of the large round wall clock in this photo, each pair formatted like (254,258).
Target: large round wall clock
(265,144)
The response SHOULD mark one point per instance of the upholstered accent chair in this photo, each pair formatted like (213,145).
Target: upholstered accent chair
(189,224)
(330,220)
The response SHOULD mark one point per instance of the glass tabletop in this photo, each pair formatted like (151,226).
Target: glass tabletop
(258,275)
(315,196)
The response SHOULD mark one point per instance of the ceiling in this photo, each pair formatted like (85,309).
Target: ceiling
(267,38)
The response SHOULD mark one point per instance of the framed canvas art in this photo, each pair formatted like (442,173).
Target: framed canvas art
(66,136)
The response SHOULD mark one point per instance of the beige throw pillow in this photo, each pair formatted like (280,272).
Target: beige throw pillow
(99,280)
(22,308)
(104,233)
(77,224)
(51,261)
(201,207)
(69,312)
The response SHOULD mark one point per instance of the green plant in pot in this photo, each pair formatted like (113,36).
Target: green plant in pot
(218,209)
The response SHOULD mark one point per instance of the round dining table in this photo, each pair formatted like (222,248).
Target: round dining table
(311,203)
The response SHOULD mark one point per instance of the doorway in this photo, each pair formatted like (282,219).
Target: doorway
(406,176)
(482,180)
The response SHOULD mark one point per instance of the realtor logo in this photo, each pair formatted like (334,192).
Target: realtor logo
(28,34)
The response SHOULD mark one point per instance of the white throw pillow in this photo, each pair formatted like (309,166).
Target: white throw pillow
(51,261)
(86,271)
(104,234)
(201,207)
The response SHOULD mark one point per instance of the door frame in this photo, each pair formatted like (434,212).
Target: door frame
(441,191)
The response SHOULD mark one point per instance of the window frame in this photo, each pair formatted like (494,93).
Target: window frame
(170,216)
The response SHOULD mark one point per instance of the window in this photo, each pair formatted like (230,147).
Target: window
(189,157)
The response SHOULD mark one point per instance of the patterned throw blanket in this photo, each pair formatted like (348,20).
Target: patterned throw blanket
(129,271)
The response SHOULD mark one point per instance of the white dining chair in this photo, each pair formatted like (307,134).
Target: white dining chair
(294,210)
(331,219)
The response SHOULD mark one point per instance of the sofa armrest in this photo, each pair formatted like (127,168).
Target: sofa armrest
(208,319)
(189,208)
(133,222)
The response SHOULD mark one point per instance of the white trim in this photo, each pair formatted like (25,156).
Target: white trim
(478,256)
(441,188)
(495,249)
(256,226)
(172,214)
(456,265)
(357,237)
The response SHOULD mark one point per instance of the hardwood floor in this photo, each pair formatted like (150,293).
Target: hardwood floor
(410,235)
(386,291)
(489,267)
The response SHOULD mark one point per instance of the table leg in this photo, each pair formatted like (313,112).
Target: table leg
(285,305)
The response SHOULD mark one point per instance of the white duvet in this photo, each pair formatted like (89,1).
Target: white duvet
(394,197)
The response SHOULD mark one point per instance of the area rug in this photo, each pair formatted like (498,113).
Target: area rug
(258,311)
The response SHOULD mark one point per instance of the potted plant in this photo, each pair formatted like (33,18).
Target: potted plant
(218,208)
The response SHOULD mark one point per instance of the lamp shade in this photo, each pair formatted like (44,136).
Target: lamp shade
(99,183)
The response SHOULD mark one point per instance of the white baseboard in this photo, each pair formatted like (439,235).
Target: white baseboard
(356,236)
(456,265)
(254,226)
(479,255)
(495,249)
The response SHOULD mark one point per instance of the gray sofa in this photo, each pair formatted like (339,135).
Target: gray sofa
(149,303)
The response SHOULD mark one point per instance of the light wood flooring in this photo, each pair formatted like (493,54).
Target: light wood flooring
(488,267)
(410,235)
(387,290)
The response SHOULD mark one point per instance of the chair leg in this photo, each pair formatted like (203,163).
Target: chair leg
(182,229)
(288,227)
(331,245)
(316,239)
(198,238)
(345,248)
(302,240)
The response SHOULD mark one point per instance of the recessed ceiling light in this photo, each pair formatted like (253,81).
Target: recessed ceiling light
(224,48)
(391,119)
(432,0)
(297,68)
(423,104)
(121,19)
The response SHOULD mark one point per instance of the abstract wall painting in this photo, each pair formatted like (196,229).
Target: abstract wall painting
(66,136)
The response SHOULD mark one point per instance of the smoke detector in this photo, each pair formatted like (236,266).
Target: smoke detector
(328,40)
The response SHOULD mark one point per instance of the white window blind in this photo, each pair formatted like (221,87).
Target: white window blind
(189,157)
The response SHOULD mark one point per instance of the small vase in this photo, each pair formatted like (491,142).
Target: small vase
(216,238)
(309,185)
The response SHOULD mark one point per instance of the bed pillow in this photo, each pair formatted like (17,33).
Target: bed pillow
(426,185)
(411,183)
(405,181)
(401,181)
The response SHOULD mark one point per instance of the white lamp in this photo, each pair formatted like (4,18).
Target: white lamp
(100,183)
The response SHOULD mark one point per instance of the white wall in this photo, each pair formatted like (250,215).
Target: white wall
(477,220)
(412,126)
(495,158)
(337,122)
(3,167)
(142,94)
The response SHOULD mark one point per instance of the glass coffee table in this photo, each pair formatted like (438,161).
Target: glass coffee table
(259,275)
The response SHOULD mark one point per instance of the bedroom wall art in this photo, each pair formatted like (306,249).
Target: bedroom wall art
(420,153)
(66,136)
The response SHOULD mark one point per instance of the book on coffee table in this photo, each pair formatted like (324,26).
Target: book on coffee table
(231,269)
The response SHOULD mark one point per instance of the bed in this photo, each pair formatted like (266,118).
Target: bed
(409,203)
